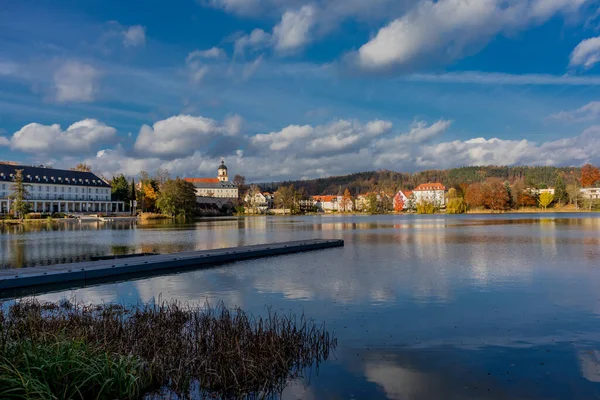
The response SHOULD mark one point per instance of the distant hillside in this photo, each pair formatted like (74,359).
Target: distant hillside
(391,181)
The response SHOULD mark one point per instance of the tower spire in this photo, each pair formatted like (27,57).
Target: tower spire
(222,172)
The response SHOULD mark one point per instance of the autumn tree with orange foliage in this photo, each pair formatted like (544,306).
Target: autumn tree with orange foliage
(494,194)
(522,197)
(589,175)
(474,195)
(150,195)
(398,203)
(346,203)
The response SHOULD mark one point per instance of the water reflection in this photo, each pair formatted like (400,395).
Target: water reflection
(424,308)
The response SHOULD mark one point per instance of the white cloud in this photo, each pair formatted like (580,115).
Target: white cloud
(294,30)
(257,39)
(214,52)
(116,161)
(544,9)
(75,81)
(134,36)
(332,12)
(4,141)
(243,7)
(234,124)
(192,146)
(586,54)
(276,141)
(338,136)
(378,127)
(80,137)
(480,151)
(182,135)
(419,132)
(448,29)
(588,112)
(196,62)
(495,78)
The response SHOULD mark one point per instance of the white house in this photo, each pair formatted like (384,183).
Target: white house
(260,202)
(431,192)
(362,201)
(590,193)
(215,187)
(58,190)
(327,203)
(535,191)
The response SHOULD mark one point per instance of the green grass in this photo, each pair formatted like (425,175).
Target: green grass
(63,369)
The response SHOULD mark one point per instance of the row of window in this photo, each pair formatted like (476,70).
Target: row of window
(62,189)
(40,196)
(232,191)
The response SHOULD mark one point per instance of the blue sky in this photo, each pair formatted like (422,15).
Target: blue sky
(299,89)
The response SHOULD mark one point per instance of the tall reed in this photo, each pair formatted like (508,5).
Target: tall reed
(224,352)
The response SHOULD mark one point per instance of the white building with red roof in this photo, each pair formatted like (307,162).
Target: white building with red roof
(430,192)
(327,203)
(215,187)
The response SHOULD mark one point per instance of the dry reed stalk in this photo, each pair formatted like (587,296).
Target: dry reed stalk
(225,352)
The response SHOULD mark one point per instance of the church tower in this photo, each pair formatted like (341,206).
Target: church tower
(222,172)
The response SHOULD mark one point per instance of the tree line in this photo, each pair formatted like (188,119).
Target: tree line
(491,188)
(158,193)
(391,181)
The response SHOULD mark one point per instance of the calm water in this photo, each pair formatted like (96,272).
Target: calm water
(468,307)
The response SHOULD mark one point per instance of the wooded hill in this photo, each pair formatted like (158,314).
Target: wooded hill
(390,181)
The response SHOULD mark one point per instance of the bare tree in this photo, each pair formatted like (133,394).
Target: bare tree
(162,176)
(251,196)
(574,195)
(83,167)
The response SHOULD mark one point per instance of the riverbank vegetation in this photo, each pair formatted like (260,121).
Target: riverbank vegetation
(153,216)
(76,351)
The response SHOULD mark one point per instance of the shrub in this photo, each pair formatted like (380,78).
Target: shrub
(33,216)
(426,207)
(456,206)
(146,216)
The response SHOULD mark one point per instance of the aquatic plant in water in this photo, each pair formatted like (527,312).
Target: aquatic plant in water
(157,348)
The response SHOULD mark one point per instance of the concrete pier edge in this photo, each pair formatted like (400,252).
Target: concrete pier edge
(90,272)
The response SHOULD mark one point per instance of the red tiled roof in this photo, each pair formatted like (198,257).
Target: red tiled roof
(202,180)
(430,186)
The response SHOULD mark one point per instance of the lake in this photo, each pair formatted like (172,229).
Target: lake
(424,307)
